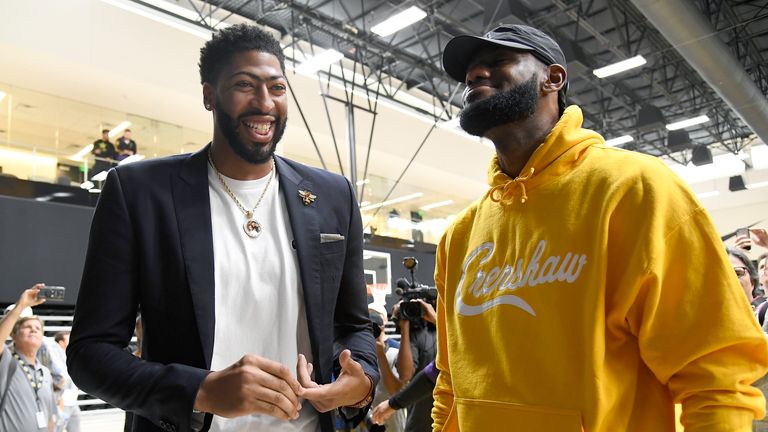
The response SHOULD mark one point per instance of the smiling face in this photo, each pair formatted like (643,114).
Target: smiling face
(503,86)
(251,104)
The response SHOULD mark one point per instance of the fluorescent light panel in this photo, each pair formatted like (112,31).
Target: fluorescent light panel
(619,140)
(757,185)
(79,155)
(320,61)
(682,124)
(619,67)
(436,205)
(119,128)
(392,201)
(709,194)
(160,17)
(399,21)
(2,95)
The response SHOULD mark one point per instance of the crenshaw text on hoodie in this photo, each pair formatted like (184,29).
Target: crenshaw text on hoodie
(491,283)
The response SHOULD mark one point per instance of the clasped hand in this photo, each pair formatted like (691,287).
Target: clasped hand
(256,385)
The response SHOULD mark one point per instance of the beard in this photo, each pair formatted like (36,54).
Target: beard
(254,154)
(504,107)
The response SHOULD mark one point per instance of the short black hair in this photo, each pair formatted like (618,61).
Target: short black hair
(217,52)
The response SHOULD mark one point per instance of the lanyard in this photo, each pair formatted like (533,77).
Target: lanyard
(35,381)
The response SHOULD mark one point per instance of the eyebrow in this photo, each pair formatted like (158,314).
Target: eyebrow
(256,77)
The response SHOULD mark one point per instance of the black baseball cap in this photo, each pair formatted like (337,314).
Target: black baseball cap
(461,50)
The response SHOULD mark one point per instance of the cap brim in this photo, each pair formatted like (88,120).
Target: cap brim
(461,50)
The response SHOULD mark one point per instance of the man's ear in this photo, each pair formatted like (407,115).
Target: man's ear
(208,96)
(556,78)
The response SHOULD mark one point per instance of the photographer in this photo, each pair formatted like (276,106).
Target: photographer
(417,350)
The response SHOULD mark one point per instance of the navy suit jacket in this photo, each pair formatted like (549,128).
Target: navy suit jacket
(151,246)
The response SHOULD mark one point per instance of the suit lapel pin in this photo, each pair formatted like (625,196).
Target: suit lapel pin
(307,197)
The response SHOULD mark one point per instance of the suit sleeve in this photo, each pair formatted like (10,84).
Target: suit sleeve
(352,328)
(104,323)
(443,393)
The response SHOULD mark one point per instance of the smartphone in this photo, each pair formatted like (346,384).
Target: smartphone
(51,293)
(744,232)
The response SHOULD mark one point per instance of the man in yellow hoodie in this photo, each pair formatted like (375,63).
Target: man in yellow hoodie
(587,289)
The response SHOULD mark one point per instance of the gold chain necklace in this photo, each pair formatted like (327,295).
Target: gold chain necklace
(251,226)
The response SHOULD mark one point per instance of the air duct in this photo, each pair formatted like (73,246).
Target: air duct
(694,38)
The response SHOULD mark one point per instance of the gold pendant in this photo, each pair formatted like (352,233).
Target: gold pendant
(252,228)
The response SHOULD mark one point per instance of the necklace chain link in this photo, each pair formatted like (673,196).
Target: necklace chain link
(248,213)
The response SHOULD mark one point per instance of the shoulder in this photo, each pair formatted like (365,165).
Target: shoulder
(152,168)
(317,176)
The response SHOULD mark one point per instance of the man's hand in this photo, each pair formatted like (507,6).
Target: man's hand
(29,297)
(382,412)
(252,385)
(429,313)
(351,386)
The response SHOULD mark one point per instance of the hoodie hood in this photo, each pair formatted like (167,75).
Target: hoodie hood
(560,152)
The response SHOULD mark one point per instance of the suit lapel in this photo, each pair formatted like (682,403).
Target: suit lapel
(306,235)
(193,216)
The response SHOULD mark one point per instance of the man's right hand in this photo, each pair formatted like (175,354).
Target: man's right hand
(252,385)
(29,297)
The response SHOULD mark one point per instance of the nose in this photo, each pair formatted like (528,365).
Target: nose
(477,72)
(262,99)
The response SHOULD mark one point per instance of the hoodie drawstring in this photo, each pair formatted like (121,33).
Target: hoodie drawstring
(505,193)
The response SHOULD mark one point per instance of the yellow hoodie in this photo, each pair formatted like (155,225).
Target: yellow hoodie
(589,294)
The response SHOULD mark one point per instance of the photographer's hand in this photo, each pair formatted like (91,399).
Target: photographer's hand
(429,312)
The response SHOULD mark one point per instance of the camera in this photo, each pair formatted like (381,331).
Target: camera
(412,292)
(51,293)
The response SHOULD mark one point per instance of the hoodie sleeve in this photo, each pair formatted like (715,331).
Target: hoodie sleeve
(443,393)
(695,328)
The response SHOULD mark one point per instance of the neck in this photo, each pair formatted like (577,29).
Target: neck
(30,354)
(233,166)
(516,142)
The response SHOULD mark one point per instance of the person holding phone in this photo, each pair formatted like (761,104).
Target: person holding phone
(20,408)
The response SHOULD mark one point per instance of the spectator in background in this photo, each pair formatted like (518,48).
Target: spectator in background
(126,146)
(420,388)
(745,271)
(53,355)
(105,153)
(27,396)
(758,236)
(762,270)
(389,383)
(418,347)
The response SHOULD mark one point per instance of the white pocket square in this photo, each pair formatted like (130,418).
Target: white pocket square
(327,238)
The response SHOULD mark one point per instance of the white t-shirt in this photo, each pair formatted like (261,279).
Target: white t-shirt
(259,302)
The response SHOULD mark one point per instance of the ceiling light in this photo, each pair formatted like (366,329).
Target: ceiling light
(119,128)
(2,95)
(436,205)
(320,61)
(362,182)
(399,21)
(759,156)
(87,185)
(152,13)
(619,67)
(619,140)
(79,155)
(757,185)
(709,194)
(392,201)
(687,123)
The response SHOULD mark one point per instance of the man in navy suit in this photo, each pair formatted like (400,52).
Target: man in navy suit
(247,268)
